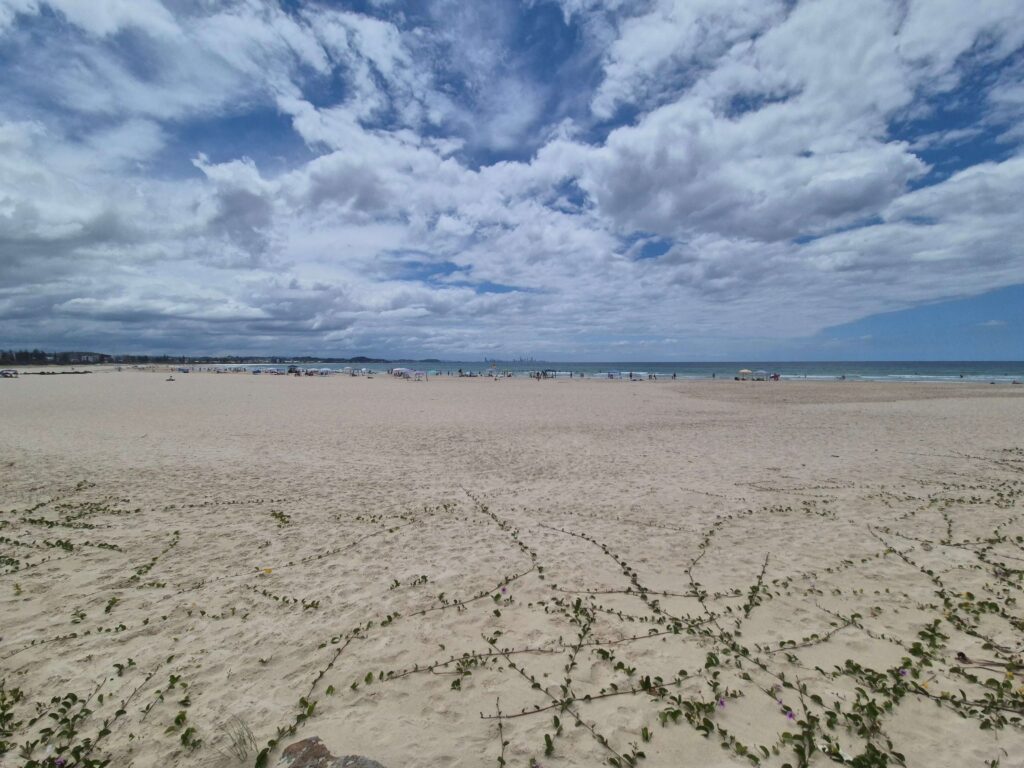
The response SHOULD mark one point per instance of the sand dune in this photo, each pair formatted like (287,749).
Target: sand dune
(713,573)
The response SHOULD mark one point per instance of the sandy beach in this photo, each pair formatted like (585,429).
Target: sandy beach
(707,573)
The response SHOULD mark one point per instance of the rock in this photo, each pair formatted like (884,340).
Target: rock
(313,753)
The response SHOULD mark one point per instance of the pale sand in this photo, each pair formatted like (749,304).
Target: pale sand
(472,482)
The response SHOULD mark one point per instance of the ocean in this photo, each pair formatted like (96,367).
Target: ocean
(999,371)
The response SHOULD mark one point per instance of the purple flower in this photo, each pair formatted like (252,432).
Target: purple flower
(60,762)
(903,673)
(790,716)
(721,703)
(504,590)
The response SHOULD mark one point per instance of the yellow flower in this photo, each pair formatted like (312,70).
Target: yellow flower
(268,571)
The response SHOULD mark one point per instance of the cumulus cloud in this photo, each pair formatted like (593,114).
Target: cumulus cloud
(724,171)
(657,51)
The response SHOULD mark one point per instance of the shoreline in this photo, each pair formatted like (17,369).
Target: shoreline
(280,370)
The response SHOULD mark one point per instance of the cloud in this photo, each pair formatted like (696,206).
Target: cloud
(673,38)
(100,18)
(723,173)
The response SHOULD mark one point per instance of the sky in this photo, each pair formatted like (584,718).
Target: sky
(570,179)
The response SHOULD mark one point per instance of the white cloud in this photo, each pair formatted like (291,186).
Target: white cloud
(760,151)
(98,17)
(674,34)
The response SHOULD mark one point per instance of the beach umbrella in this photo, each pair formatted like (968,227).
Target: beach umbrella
(745,372)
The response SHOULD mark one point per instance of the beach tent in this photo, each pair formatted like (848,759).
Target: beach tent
(760,375)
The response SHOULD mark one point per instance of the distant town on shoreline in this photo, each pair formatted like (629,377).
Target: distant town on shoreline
(41,357)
